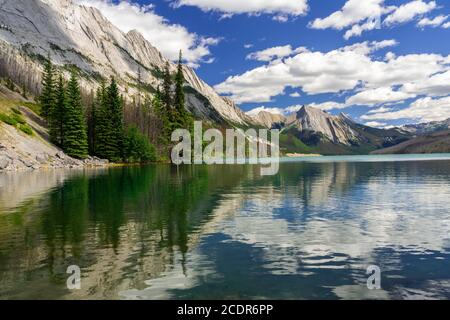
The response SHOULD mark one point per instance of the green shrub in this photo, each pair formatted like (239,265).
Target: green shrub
(25,128)
(36,108)
(137,148)
(18,118)
(8,119)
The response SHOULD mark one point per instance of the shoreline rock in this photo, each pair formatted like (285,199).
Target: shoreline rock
(13,162)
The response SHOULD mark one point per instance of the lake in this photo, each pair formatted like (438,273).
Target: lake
(226,232)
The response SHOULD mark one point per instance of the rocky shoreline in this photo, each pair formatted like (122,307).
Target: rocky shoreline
(11,161)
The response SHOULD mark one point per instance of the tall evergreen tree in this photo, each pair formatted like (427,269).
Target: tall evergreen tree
(75,142)
(109,127)
(103,130)
(163,115)
(183,118)
(57,114)
(93,120)
(167,95)
(47,98)
(115,104)
(157,103)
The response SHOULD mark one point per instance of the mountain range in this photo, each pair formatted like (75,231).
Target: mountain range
(78,36)
(312,130)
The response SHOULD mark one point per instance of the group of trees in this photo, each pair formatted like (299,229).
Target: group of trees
(107,137)
(169,103)
(63,110)
(101,130)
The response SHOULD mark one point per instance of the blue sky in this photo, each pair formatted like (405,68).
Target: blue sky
(396,71)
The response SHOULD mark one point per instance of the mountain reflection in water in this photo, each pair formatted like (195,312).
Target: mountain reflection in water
(225,232)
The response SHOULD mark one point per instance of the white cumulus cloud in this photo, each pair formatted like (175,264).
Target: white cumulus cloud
(358,16)
(422,110)
(339,70)
(376,124)
(280,8)
(376,96)
(353,12)
(409,11)
(273,53)
(435,22)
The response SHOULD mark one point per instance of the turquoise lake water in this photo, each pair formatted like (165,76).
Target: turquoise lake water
(226,232)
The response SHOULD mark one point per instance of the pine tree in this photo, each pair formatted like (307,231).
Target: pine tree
(167,96)
(163,115)
(75,142)
(115,104)
(57,114)
(103,125)
(93,121)
(109,124)
(158,105)
(179,99)
(182,117)
(47,98)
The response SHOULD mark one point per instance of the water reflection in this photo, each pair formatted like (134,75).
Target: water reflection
(162,232)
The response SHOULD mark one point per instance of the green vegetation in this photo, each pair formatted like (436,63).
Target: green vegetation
(56,125)
(63,110)
(182,117)
(35,107)
(108,119)
(142,134)
(8,119)
(47,98)
(170,105)
(110,138)
(74,135)
(16,119)
(25,128)
(137,148)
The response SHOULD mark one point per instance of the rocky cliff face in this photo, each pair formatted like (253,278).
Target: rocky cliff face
(312,130)
(312,121)
(78,35)
(426,128)
(334,128)
(269,120)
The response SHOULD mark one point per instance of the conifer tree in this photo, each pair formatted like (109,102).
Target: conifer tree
(179,99)
(75,142)
(103,125)
(167,96)
(182,119)
(93,121)
(157,103)
(163,115)
(109,124)
(115,104)
(47,98)
(57,114)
